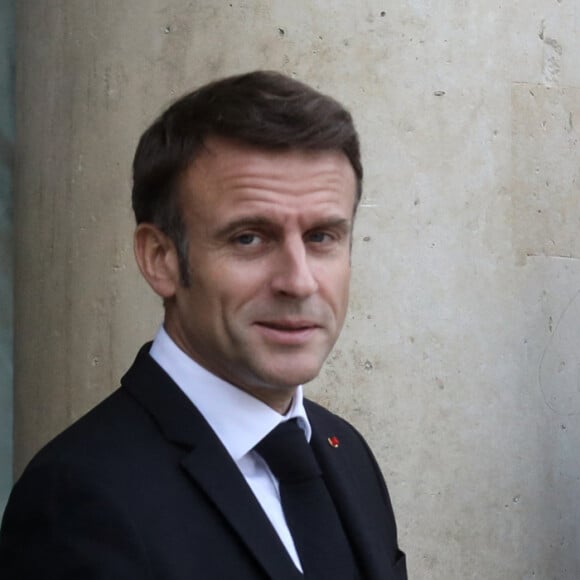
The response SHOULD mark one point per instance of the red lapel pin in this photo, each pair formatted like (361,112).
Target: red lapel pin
(333,441)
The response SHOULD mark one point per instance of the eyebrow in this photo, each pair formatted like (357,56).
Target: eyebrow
(241,223)
(262,222)
(339,223)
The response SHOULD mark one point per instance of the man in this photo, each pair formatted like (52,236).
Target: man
(245,193)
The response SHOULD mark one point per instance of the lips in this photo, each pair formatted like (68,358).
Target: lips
(289,326)
(287,332)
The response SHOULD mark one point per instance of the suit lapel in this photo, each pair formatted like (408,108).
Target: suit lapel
(349,494)
(208,464)
(214,471)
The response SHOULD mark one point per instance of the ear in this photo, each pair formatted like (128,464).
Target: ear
(157,259)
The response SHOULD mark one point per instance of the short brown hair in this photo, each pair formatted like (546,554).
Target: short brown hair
(262,108)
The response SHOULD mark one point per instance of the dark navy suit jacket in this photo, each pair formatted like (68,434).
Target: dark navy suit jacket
(141,488)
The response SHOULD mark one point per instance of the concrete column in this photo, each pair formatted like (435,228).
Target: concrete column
(460,358)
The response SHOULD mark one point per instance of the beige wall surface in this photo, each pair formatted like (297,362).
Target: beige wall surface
(460,360)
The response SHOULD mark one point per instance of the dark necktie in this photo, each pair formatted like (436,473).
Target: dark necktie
(316,529)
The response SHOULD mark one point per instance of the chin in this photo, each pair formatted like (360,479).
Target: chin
(291,377)
(285,370)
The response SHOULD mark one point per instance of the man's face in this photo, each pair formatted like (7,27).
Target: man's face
(269,237)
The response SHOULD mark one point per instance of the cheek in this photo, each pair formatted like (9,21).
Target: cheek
(336,286)
(233,287)
(345,288)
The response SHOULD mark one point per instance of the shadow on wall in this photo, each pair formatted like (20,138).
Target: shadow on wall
(5,152)
(6,132)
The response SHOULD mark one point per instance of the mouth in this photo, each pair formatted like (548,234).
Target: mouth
(288,325)
(287,332)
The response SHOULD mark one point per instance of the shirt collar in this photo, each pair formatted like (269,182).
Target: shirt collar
(239,420)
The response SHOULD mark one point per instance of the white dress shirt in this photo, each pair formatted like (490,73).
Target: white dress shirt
(239,420)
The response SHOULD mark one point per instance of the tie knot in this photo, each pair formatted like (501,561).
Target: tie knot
(288,454)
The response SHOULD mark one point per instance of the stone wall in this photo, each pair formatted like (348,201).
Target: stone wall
(460,360)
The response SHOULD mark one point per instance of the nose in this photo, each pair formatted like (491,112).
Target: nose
(293,275)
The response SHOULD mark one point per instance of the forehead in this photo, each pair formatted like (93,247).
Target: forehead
(228,172)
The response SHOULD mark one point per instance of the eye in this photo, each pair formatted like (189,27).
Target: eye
(318,237)
(247,239)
